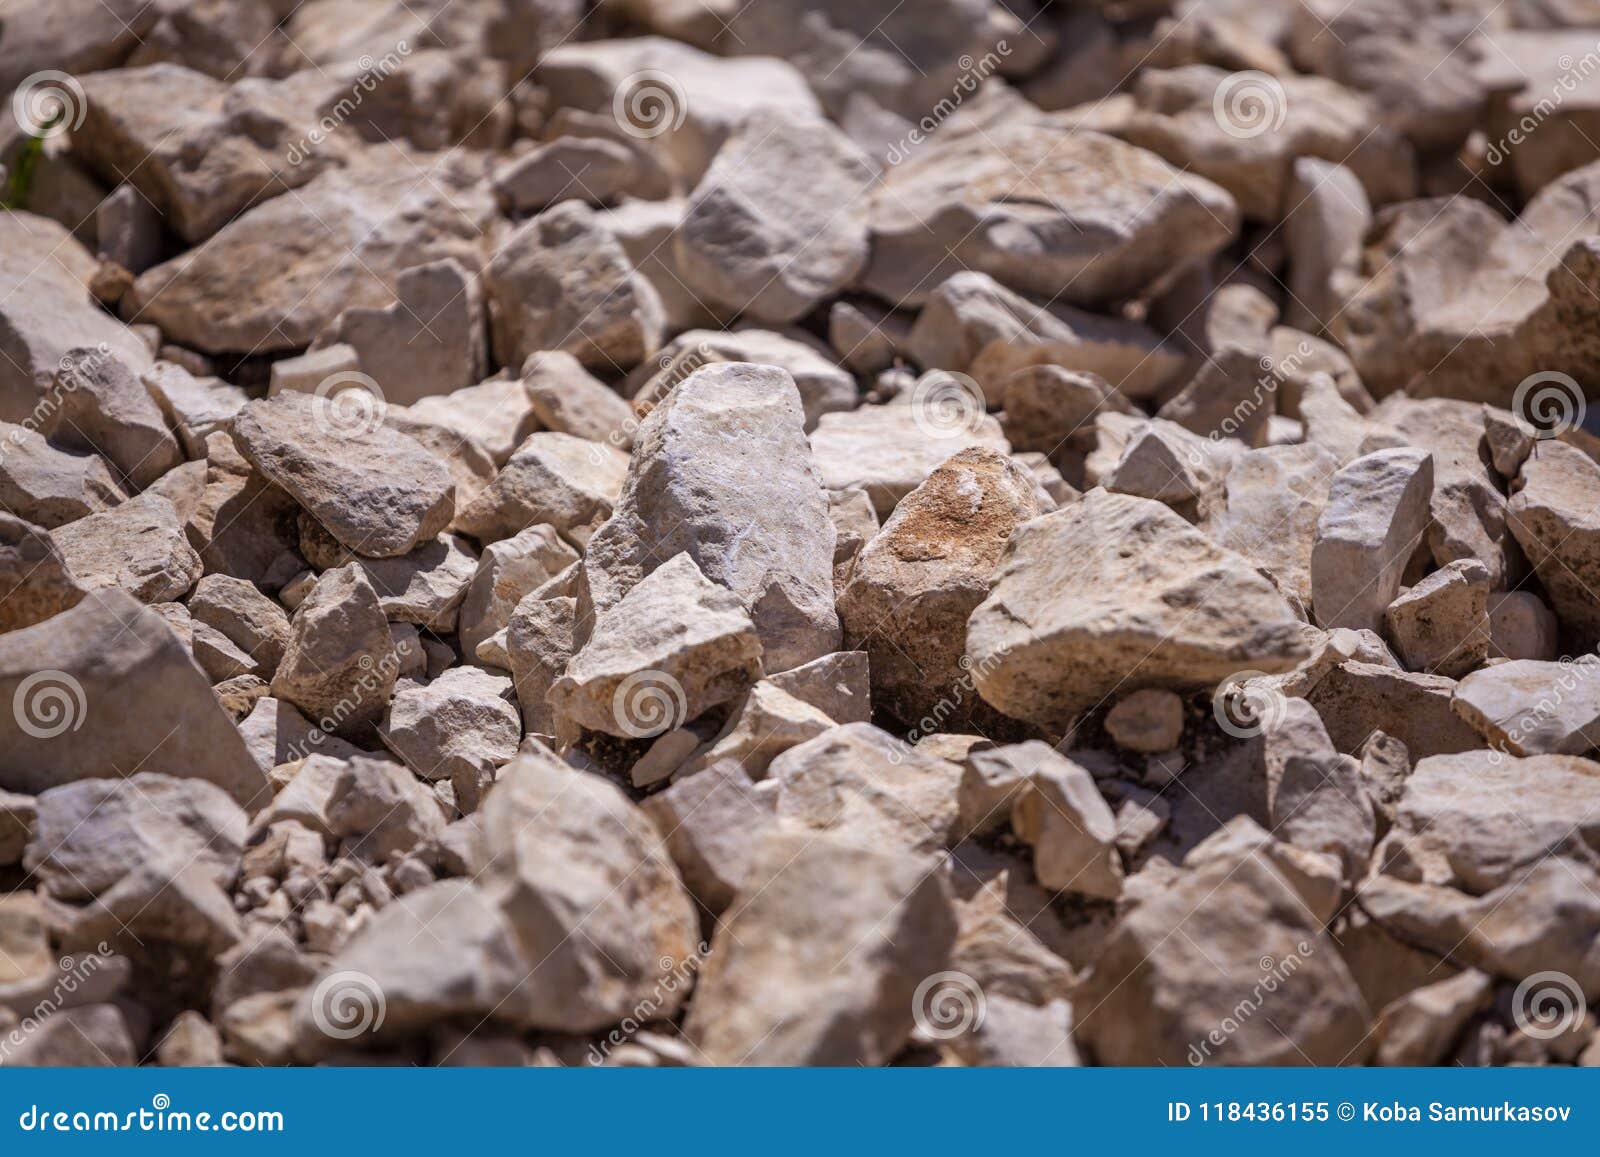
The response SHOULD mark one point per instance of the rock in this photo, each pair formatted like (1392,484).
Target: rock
(1441,625)
(710,465)
(121,693)
(459,727)
(767,723)
(673,646)
(379,809)
(838,685)
(190,1041)
(1048,409)
(589,169)
(425,587)
(992,780)
(97,403)
(50,486)
(562,282)
(570,483)
(195,407)
(863,786)
(305,373)
(1549,517)
(1156,998)
(251,621)
(822,956)
(429,341)
(278,276)
(686,102)
(889,451)
(1521,627)
(541,639)
(1315,797)
(1244,132)
(44,282)
(35,582)
(1072,618)
(569,399)
(1532,707)
(1420,1027)
(138,546)
(1316,877)
(201,150)
(1148,721)
(596,906)
(93,834)
(1274,498)
(756,242)
(1521,68)
(376,491)
(1375,518)
(972,324)
(508,571)
(1016,1034)
(494,416)
(917,581)
(1072,832)
(276,733)
(714,824)
(956,204)
(1328,214)
(17,817)
(1357,698)
(340,665)
(90,1036)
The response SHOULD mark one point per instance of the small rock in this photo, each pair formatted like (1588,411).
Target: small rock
(1376,517)
(340,665)
(1147,721)
(1061,815)
(1441,625)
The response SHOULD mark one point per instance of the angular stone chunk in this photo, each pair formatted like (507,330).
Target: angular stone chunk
(864,786)
(98,403)
(1420,1027)
(540,639)
(1159,998)
(1019,200)
(35,582)
(974,325)
(769,722)
(1114,593)
(570,483)
(1376,517)
(508,571)
(838,685)
(1357,698)
(374,489)
(1274,497)
(758,242)
(712,467)
(106,688)
(340,666)
(889,451)
(569,399)
(459,727)
(1072,832)
(278,276)
(50,486)
(1552,517)
(1530,707)
(917,581)
(562,282)
(250,620)
(1521,627)
(673,646)
(1441,625)
(713,823)
(821,955)
(138,547)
